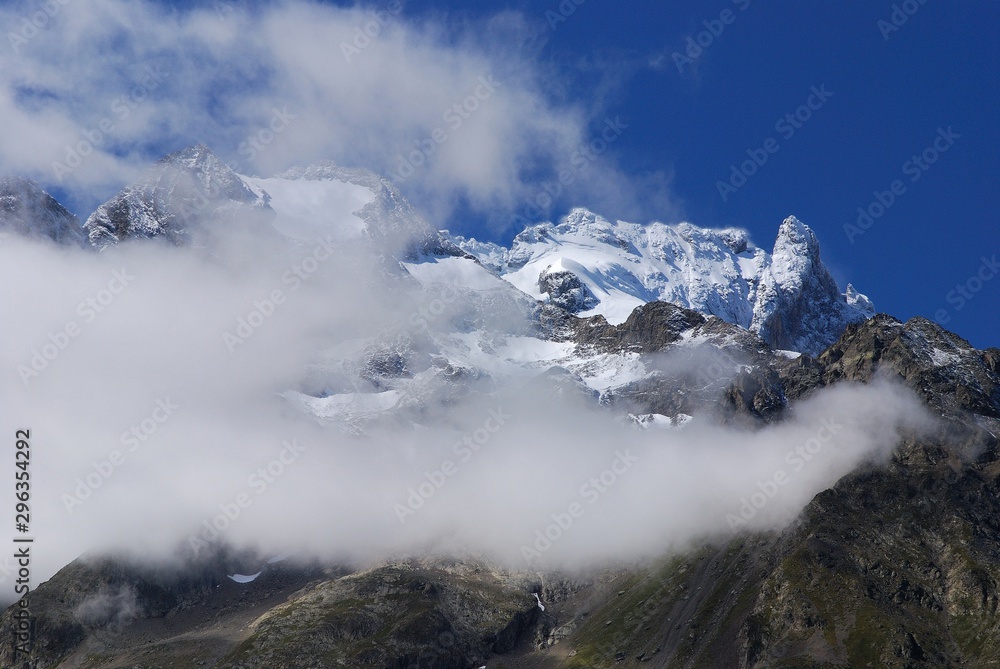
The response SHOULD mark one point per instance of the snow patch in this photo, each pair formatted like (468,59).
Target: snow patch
(344,404)
(656,420)
(463,272)
(943,359)
(309,208)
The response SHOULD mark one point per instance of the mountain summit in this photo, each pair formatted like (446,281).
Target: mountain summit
(28,210)
(591,266)
(173,199)
(585,264)
(891,561)
(798,305)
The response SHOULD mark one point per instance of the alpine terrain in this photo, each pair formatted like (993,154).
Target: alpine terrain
(659,327)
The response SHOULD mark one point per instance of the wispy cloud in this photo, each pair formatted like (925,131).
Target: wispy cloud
(221,457)
(88,72)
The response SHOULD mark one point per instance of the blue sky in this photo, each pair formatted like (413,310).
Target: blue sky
(893,87)
(885,81)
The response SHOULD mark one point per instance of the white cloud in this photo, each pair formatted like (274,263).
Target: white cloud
(150,376)
(224,74)
(162,337)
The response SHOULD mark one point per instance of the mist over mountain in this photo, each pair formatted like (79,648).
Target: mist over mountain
(285,418)
(27,210)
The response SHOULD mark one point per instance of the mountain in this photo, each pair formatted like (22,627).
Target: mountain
(173,200)
(659,327)
(350,203)
(190,192)
(584,264)
(895,566)
(26,209)
(589,265)
(798,305)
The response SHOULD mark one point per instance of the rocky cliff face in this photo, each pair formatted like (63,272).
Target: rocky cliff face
(591,266)
(113,612)
(25,209)
(798,305)
(896,565)
(174,199)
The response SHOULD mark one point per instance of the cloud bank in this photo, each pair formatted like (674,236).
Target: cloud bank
(152,430)
(455,111)
(152,378)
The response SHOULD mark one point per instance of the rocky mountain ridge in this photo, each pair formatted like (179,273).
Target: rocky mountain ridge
(591,266)
(584,264)
(26,209)
(897,565)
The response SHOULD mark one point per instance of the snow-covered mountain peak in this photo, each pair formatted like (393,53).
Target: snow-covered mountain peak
(209,171)
(317,200)
(796,250)
(584,263)
(350,203)
(28,210)
(174,198)
(590,266)
(798,305)
(593,266)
